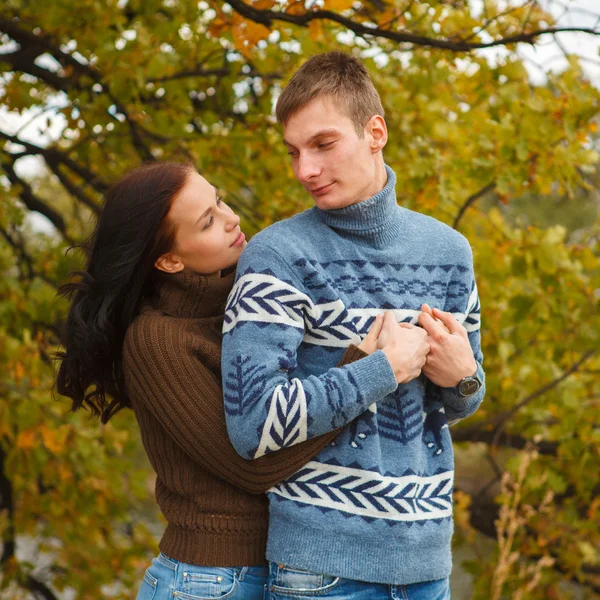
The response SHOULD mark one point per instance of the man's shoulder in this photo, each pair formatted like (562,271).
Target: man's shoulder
(429,230)
(283,233)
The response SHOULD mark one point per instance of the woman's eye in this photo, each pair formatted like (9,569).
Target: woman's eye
(208,223)
(219,200)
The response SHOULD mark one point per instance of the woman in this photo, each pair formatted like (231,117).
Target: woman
(144,331)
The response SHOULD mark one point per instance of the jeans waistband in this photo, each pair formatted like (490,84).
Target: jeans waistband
(172,564)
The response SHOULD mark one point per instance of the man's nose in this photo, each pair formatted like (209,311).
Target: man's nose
(307,169)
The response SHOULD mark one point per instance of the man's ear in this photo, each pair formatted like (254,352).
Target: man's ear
(169,263)
(377,130)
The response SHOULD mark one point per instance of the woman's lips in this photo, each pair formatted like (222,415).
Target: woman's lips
(239,240)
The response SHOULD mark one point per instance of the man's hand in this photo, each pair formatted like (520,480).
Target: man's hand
(450,357)
(405,346)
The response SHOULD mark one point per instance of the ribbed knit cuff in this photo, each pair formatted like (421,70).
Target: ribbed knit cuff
(352,354)
(374,376)
(464,404)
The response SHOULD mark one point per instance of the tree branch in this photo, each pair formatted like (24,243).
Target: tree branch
(267,17)
(53,156)
(471,200)
(20,61)
(7,504)
(34,203)
(33,45)
(40,44)
(25,258)
(497,422)
(75,191)
(503,417)
(506,440)
(38,589)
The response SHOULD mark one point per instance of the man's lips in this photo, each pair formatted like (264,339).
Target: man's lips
(239,240)
(321,190)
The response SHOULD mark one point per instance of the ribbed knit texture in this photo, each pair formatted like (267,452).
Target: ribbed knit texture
(212,498)
(376,504)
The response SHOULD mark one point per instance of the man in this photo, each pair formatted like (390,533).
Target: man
(371,516)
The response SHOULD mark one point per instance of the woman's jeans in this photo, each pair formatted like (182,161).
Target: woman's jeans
(170,579)
(286,583)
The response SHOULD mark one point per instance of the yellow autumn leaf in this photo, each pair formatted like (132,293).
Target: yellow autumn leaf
(338,4)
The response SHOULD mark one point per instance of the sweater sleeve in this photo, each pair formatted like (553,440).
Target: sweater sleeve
(266,319)
(458,407)
(186,398)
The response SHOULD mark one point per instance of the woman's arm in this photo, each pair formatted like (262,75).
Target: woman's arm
(164,375)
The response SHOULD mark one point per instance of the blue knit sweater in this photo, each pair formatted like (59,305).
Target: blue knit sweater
(375,505)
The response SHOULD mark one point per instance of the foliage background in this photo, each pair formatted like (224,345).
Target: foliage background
(510,163)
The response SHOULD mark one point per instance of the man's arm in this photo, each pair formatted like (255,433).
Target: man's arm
(266,407)
(455,353)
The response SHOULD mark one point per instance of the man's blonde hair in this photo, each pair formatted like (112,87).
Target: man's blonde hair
(339,76)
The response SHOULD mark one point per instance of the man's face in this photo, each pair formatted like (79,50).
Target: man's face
(335,166)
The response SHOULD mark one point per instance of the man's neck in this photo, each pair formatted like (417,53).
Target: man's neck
(379,181)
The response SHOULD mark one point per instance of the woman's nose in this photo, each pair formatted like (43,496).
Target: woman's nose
(232,221)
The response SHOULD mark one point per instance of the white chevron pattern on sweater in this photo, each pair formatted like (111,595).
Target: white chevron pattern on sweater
(266,299)
(286,422)
(370,494)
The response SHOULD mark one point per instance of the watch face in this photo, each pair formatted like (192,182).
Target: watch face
(468,387)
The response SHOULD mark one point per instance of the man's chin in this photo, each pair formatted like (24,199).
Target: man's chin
(331,202)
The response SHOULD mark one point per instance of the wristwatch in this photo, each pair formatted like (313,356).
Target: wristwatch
(470,385)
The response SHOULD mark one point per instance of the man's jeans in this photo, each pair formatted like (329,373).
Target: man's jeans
(286,583)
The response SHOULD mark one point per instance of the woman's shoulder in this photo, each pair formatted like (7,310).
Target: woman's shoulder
(153,335)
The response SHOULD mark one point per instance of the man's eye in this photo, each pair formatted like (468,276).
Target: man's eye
(293,154)
(325,145)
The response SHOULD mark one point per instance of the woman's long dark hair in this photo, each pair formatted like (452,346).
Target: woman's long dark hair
(132,232)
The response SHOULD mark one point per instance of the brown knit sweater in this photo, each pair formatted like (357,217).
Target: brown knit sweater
(212,498)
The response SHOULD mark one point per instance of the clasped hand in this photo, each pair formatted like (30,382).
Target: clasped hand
(439,349)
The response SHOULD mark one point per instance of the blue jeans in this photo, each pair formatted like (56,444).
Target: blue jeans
(286,583)
(167,578)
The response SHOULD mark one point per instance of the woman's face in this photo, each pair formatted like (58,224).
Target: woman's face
(208,237)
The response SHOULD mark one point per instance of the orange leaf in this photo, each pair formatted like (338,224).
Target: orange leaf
(263,4)
(50,439)
(19,371)
(315,30)
(26,439)
(256,32)
(295,7)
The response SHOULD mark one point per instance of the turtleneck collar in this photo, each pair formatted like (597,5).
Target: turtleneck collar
(375,221)
(192,295)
